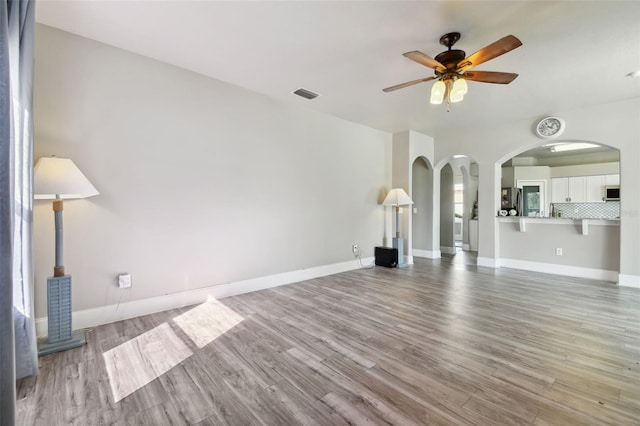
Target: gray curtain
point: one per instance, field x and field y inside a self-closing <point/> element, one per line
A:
<point x="18" y="350"/>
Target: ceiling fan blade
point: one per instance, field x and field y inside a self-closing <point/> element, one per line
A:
<point x="407" y="84"/>
<point x="425" y="60"/>
<point x="500" y="47"/>
<point x="490" y="76"/>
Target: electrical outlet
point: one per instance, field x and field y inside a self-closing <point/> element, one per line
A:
<point x="355" y="249"/>
<point x="558" y="252"/>
<point x="124" y="280"/>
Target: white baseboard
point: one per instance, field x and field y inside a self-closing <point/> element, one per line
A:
<point x="466" y="247"/>
<point x="118" y="312"/>
<point x="552" y="268"/>
<point x="427" y="254"/>
<point x="447" y="250"/>
<point x="625" y="280"/>
<point x="488" y="262"/>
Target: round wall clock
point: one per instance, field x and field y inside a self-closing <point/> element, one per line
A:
<point x="550" y="127"/>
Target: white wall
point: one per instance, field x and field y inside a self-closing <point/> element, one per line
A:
<point x="599" y="251"/>
<point x="530" y="173"/>
<point x="201" y="183"/>
<point x="612" y="168"/>
<point x="470" y="198"/>
<point x="447" y="242"/>
<point x="595" y="255"/>
<point x="507" y="180"/>
<point x="407" y="147"/>
<point x="423" y="201"/>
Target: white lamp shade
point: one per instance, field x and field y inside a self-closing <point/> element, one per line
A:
<point x="397" y="197"/>
<point x="54" y="176"/>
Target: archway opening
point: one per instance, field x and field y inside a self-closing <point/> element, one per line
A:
<point x="573" y="185"/>
<point x="569" y="179"/>
<point x="423" y="209"/>
<point x="458" y="209"/>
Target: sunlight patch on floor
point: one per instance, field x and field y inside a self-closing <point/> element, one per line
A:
<point x="139" y="361"/>
<point x="208" y="321"/>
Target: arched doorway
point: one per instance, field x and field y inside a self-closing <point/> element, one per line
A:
<point x="459" y="205"/>
<point x="564" y="184"/>
<point x="423" y="209"/>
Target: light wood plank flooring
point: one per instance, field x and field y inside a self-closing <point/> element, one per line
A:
<point x="439" y="342"/>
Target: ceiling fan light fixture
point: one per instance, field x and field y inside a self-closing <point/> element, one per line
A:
<point x="451" y="68"/>
<point x="437" y="92"/>
<point x="458" y="89"/>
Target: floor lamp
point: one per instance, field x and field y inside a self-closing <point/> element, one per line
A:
<point x="58" y="179"/>
<point x="398" y="197"/>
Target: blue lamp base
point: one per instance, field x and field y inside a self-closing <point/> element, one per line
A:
<point x="60" y="335"/>
<point x="77" y="339"/>
<point x="398" y="243"/>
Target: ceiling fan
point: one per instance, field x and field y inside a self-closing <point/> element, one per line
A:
<point x="451" y="68"/>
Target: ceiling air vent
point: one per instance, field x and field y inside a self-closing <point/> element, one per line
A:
<point x="307" y="94"/>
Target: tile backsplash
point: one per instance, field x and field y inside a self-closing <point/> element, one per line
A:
<point x="606" y="210"/>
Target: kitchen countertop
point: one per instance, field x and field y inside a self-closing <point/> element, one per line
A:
<point x="558" y="220"/>
<point x="524" y="221"/>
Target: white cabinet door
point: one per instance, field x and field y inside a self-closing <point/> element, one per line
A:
<point x="612" y="179"/>
<point x="595" y="189"/>
<point x="560" y="190"/>
<point x="578" y="189"/>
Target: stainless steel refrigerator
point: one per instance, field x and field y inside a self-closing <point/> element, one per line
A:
<point x="511" y="199"/>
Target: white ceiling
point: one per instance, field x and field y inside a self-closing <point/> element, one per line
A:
<point x="574" y="53"/>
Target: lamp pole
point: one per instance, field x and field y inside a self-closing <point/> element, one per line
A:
<point x="398" y="197"/>
<point x="58" y="269"/>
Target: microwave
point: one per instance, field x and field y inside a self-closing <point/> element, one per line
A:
<point x="612" y="193"/>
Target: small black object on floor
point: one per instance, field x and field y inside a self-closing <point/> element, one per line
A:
<point x="386" y="256"/>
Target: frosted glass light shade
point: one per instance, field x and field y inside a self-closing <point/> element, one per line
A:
<point x="397" y="197"/>
<point x="458" y="90"/>
<point x="461" y="86"/>
<point x="437" y="92"/>
<point x="60" y="176"/>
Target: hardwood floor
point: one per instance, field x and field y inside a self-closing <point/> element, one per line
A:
<point x="439" y="342"/>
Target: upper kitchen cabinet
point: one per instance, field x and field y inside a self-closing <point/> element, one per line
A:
<point x="610" y="180"/>
<point x="560" y="190"/>
<point x="569" y="189"/>
<point x="581" y="189"/>
<point x="595" y="188"/>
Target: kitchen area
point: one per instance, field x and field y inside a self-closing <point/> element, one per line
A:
<point x="561" y="213"/>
